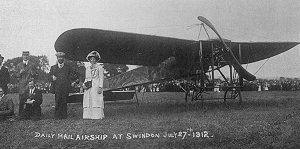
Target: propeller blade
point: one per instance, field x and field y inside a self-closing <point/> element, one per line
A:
<point x="237" y="66"/>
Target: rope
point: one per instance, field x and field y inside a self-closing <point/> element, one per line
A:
<point x="262" y="66"/>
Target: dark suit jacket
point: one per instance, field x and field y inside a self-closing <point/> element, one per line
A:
<point x="33" y="110"/>
<point x="37" y="96"/>
<point x="4" y="78"/>
<point x="30" y="72"/>
<point x="64" y="75"/>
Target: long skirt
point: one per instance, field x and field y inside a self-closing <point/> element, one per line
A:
<point x="93" y="113"/>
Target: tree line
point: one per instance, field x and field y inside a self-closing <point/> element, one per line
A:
<point x="43" y="67"/>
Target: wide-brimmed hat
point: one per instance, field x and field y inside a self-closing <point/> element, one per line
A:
<point x="1" y="56"/>
<point x="60" y="54"/>
<point x="25" y="53"/>
<point x="93" y="54"/>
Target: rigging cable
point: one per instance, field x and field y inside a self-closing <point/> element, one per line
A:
<point x="199" y="32"/>
<point x="262" y="66"/>
<point x="205" y="31"/>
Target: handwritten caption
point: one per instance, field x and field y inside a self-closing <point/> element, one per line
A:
<point x="189" y="133"/>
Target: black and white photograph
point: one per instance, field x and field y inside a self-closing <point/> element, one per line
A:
<point x="83" y="74"/>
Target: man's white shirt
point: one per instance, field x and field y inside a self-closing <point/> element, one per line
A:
<point x="25" y="62"/>
<point x="61" y="65"/>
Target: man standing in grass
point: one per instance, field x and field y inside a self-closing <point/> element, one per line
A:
<point x="25" y="70"/>
<point x="61" y="75"/>
<point x="6" y="106"/>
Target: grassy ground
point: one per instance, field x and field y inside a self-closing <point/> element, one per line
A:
<point x="266" y="120"/>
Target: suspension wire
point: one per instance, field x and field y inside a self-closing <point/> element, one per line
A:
<point x="199" y="32"/>
<point x="201" y="26"/>
<point x="262" y="66"/>
<point x="205" y="30"/>
<point x="192" y="26"/>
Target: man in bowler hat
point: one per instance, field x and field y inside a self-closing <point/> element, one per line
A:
<point x="61" y="76"/>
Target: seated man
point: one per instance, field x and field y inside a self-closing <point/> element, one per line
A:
<point x="6" y="106"/>
<point x="33" y="100"/>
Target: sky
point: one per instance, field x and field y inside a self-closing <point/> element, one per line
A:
<point x="34" y="25"/>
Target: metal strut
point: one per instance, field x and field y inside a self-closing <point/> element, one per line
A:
<point x="198" y="87"/>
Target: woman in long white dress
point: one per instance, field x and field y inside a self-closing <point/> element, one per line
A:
<point x="93" y="104"/>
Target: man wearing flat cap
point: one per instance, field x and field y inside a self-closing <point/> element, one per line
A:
<point x="61" y="76"/>
<point x="25" y="71"/>
<point x="4" y="76"/>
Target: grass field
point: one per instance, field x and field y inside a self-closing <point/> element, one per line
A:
<point x="265" y="120"/>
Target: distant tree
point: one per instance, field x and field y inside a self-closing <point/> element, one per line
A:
<point x="44" y="64"/>
<point x="41" y="63"/>
<point x="114" y="69"/>
<point x="79" y="67"/>
<point x="282" y="78"/>
<point x="110" y="69"/>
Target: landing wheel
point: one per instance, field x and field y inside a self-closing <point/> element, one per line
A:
<point x="233" y="93"/>
<point x="195" y="93"/>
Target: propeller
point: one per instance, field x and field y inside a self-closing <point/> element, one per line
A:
<point x="235" y="63"/>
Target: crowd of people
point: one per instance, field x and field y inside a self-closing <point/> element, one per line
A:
<point x="282" y="84"/>
<point x="61" y="76"/>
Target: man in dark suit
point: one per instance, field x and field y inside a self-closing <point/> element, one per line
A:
<point x="4" y="76"/>
<point x="25" y="70"/>
<point x="33" y="97"/>
<point x="61" y="76"/>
